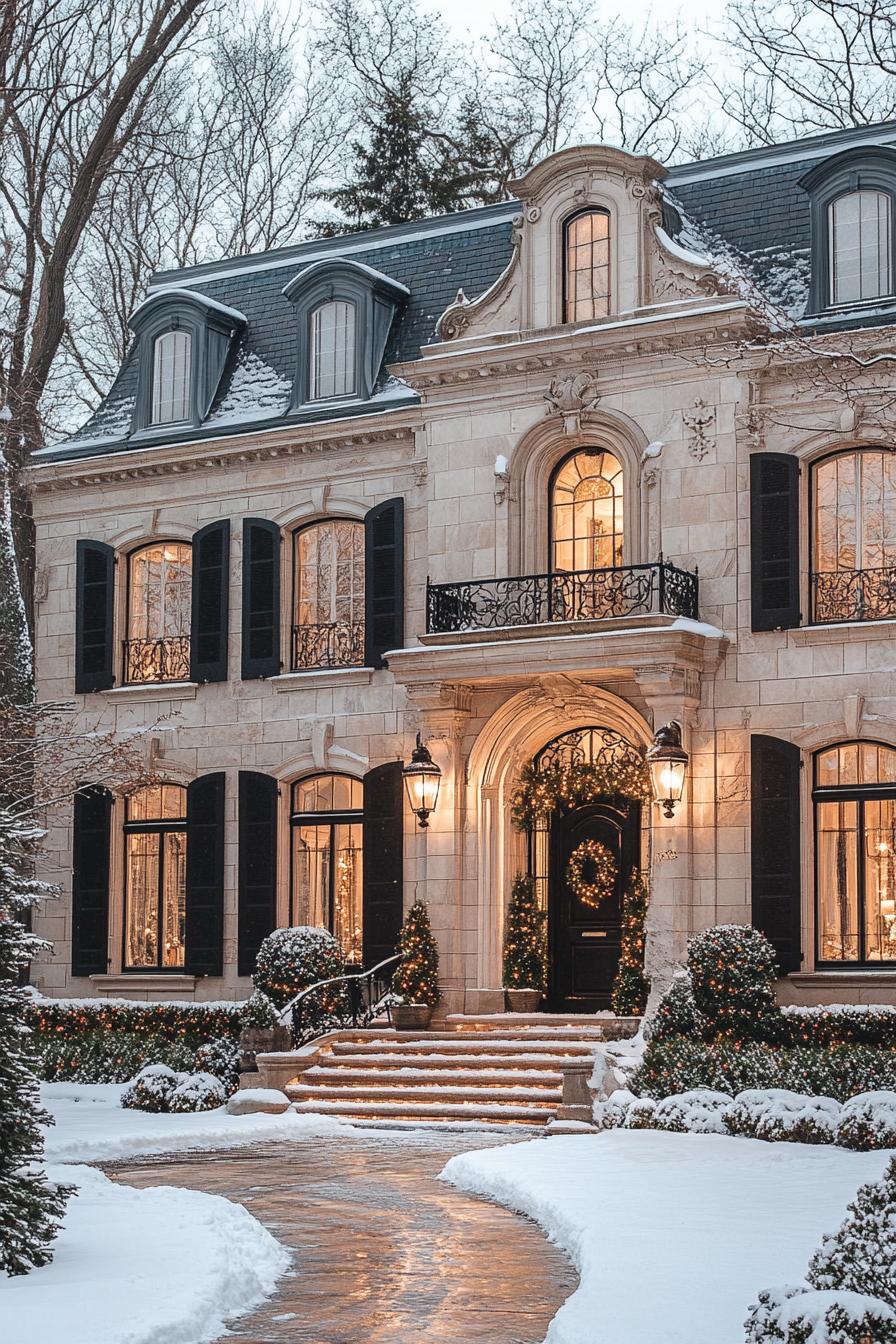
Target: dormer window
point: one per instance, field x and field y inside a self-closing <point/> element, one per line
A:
<point x="332" y="371"/>
<point x="852" y="208"/>
<point x="859" y="233"/>
<point x="171" y="377"/>
<point x="586" y="255"/>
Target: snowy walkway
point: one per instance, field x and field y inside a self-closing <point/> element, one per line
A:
<point x="385" y="1252"/>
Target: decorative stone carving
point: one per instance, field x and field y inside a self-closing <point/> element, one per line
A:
<point x="700" y="421"/>
<point x="571" y="397"/>
<point x="420" y="468"/>
<point x="751" y="424"/>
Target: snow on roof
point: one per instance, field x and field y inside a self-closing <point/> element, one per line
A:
<point x="178" y="291"/>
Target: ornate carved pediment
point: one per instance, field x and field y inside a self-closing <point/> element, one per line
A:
<point x="678" y="273"/>
<point x="498" y="309"/>
<point x="570" y="397"/>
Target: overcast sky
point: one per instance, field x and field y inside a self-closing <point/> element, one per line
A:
<point x="473" y="17"/>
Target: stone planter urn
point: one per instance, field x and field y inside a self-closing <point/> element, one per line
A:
<point x="523" y="1000"/>
<point x="411" y="1016"/>
<point x="259" y="1041"/>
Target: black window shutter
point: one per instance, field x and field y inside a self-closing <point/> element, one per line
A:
<point x="92" y="833"/>
<point x="257" y="902"/>
<point x="383" y="580"/>
<point x="210" y="604"/>
<point x="261" y="598"/>
<point x="775" y="846"/>
<point x="775" y="541"/>
<point x="205" y="876"/>
<point x="383" y="861"/>
<point x="94" y="596"/>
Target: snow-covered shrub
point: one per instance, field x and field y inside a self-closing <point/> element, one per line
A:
<point x="681" y="1065"/>
<point x="152" y="1088"/>
<point x="258" y="1012"/>
<point x="610" y="1114"/>
<point x="733" y="970"/>
<point x="639" y="1113"/>
<point x="701" y="1111"/>
<point x="197" y="1092"/>
<point x="868" y="1121"/>
<point x="839" y="1024"/>
<point x="108" y="1056"/>
<point x="861" y="1255"/>
<point x="778" y="1115"/>
<point x="220" y="1058"/>
<point x="291" y="959"/>
<point x="676" y="1014"/>
<point x="807" y="1316"/>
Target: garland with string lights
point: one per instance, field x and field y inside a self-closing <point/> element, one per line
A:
<point x="416" y="977"/>
<point x="525" y="943"/>
<point x="541" y="792"/>
<point x="631" y="986"/>
<point x="591" y="873"/>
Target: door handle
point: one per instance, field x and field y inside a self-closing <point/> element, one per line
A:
<point x="593" y="933"/>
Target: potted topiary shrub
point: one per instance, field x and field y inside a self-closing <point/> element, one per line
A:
<point x="416" y="978"/>
<point x="261" y="1031"/>
<point x="525" y="951"/>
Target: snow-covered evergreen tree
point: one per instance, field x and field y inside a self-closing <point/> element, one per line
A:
<point x="16" y="664"/>
<point x="861" y="1255"/>
<point x="30" y="1207"/>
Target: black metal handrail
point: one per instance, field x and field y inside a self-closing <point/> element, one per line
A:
<point x="853" y="595"/>
<point x="328" y="644"/>
<point x="570" y="595"/>
<point x="355" y="1004"/>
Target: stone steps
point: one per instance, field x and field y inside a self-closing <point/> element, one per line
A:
<point x="436" y="1110"/>
<point x="433" y="1075"/>
<point x="494" y="1095"/>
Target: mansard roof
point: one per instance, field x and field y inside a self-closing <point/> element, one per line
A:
<point x="750" y="205"/>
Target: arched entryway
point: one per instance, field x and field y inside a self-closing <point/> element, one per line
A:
<point x="582" y="849"/>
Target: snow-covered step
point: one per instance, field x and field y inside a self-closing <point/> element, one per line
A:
<point x="432" y="1075"/>
<point x="525" y="1063"/>
<point x="497" y="1096"/>
<point x="382" y="1110"/>
<point x="463" y="1045"/>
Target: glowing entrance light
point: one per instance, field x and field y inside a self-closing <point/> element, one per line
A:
<point x="422" y="778"/>
<point x="668" y="762"/>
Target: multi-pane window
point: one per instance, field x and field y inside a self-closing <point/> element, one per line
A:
<point x="587" y="512"/>
<point x="327" y="858"/>
<point x="586" y="246"/>
<point x="160" y="578"/>
<point x="854" y="536"/>
<point x="329" y="595"/>
<point x="155" y="838"/>
<point x="860" y="246"/>
<point x="171" y="377"/>
<point x="332" y="371"/>
<point x="855" y="853"/>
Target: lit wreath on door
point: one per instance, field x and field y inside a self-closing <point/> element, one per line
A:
<point x="591" y="873"/>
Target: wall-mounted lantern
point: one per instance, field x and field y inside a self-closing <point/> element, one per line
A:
<point x="422" y="778"/>
<point x="668" y="762"/>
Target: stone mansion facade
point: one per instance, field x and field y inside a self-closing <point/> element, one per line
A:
<point x="534" y="481"/>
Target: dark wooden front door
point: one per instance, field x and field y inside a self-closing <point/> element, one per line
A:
<point x="584" y="942"/>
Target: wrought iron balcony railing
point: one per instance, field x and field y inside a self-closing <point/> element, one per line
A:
<point x="335" y="644"/>
<point x="149" y="660"/>
<point x="854" y="595"/>
<point x="577" y="595"/>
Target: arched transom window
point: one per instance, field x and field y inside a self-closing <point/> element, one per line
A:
<point x="155" y="837"/>
<point x="171" y="377"/>
<point x="587" y="512"/>
<point x="855" y="853"/>
<point x="329" y="595"/>
<point x="327" y="858"/>
<point x="854" y="536"/>
<point x="332" y="371"/>
<point x="860" y="242"/>
<point x="586" y="260"/>
<point x="160" y="580"/>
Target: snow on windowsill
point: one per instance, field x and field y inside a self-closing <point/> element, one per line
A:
<point x="154" y="690"/>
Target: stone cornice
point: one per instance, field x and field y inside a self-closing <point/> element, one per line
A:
<point x="187" y="458"/>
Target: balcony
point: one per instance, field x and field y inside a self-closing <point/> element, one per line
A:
<point x="853" y="595"/>
<point x="153" y="660"/>
<point x="334" y="644"/>
<point x="658" y="589"/>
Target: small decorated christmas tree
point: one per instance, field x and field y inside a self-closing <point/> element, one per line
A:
<point x="525" y="953"/>
<point x="416" y="978"/>
<point x="631" y="986"/>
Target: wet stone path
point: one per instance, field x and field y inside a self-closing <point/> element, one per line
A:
<point x="384" y="1252"/>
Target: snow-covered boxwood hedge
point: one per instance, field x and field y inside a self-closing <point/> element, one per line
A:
<point x="291" y="959"/>
<point x="160" y="1089"/>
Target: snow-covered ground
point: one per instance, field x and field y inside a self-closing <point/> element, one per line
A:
<point x="673" y="1234"/>
<point x="92" y="1126"/>
<point x="156" y="1266"/>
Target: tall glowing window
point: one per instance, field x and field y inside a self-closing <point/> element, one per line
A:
<point x="587" y="512"/>
<point x="586" y="247"/>
<point x="171" y="377"/>
<point x="854" y="536"/>
<point x="328" y="629"/>
<point x="160" y="579"/>
<point x="155" y="837"/>
<point x="328" y="858"/>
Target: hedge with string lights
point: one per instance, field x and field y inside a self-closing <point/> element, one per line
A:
<point x="631" y="986"/>
<point x="541" y="792"/>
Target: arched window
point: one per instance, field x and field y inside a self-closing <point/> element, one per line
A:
<point x="855" y="853"/>
<point x="332" y="370"/>
<point x="860" y="245"/>
<point x="155" y="837"/>
<point x="586" y="512"/>
<point x="854" y="536"/>
<point x="171" y="377"/>
<point x="329" y="595"/>
<point x="160" y="579"/>
<point x="586" y="261"/>
<point x="327" y="857"/>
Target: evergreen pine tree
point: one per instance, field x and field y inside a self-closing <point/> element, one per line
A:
<point x="860" y="1257"/>
<point x="631" y="986"/>
<point x="525" y="952"/>
<point x="30" y="1207"/>
<point x="416" y="978"/>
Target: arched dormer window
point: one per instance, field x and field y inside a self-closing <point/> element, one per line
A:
<point x="586" y="266"/>
<point x="853" y="205"/>
<point x="332" y="372"/>
<point x="171" y="377"/>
